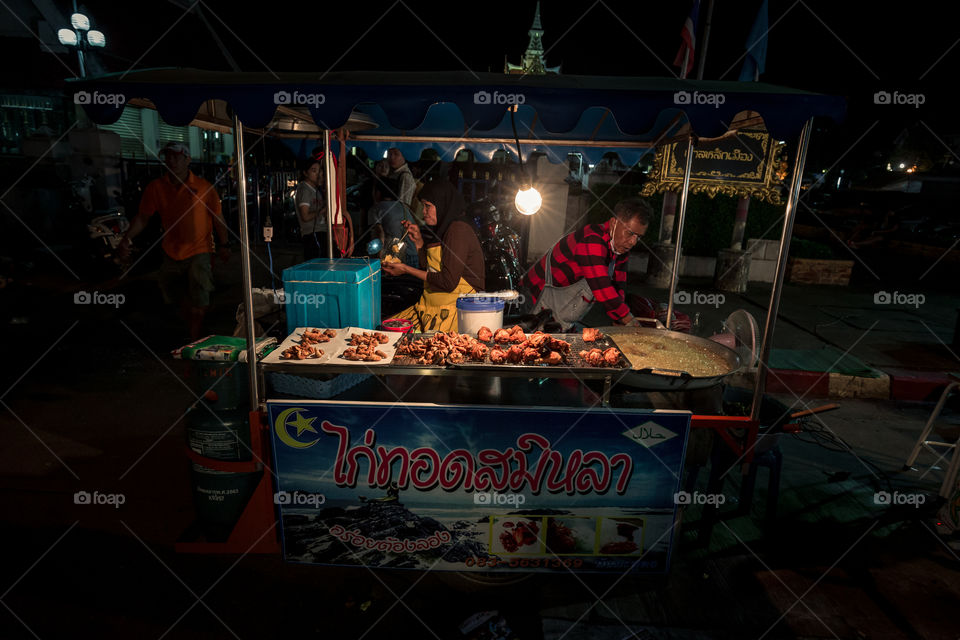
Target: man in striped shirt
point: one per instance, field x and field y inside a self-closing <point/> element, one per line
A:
<point x="596" y="255"/>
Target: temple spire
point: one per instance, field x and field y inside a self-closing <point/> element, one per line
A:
<point x="533" y="58"/>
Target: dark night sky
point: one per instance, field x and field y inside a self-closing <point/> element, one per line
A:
<point x="851" y="49"/>
<point x="819" y="45"/>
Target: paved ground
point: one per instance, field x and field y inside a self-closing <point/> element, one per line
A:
<point x="91" y="402"/>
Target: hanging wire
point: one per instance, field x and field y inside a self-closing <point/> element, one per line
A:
<point x="273" y="279"/>
<point x="513" y="123"/>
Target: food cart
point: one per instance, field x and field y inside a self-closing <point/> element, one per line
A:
<point x="604" y="500"/>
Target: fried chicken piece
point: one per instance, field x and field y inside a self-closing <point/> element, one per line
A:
<point x="382" y="338"/>
<point x="501" y="335"/>
<point x="593" y="358"/>
<point x="477" y="352"/>
<point x="537" y="339"/>
<point x="553" y="358"/>
<point x="560" y="539"/>
<point x="517" y="337"/>
<point x="301" y="352"/>
<point x="611" y="356"/>
<point x="484" y="335"/>
<point x="515" y="354"/>
<point x="497" y="356"/>
<point x="530" y="355"/>
<point x="560" y="346"/>
<point x="591" y="335"/>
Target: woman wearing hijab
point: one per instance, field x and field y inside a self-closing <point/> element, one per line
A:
<point x="449" y="248"/>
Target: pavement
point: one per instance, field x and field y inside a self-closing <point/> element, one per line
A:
<point x="91" y="402"/>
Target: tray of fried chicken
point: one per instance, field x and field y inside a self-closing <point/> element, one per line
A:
<point x="364" y="347"/>
<point x="439" y="349"/>
<point x="510" y="348"/>
<point x="306" y="345"/>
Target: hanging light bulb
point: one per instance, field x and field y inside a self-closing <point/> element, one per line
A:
<point x="528" y="200"/>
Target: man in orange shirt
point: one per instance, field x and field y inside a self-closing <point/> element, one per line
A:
<point x="189" y="209"/>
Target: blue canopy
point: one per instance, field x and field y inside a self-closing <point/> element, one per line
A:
<point x="452" y="110"/>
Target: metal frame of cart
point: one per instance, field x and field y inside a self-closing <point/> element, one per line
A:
<point x="559" y="112"/>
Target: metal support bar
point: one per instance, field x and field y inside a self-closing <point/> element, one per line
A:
<point x="774" y="307"/>
<point x="245" y="262"/>
<point x="331" y="189"/>
<point x="681" y="216"/>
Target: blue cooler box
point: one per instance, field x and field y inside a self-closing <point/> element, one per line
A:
<point x="333" y="293"/>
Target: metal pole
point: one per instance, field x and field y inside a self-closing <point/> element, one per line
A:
<point x="83" y="68"/>
<point x="774" y="307"/>
<point x="331" y="189"/>
<point x="245" y="262"/>
<point x="706" y="41"/>
<point x="681" y="215"/>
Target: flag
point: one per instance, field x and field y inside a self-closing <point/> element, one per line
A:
<point x="689" y="37"/>
<point x="756" y="61"/>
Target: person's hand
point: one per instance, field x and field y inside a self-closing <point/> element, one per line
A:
<point x="413" y="233"/>
<point x="224" y="252"/>
<point x="394" y="268"/>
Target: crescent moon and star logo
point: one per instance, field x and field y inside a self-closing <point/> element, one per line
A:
<point x="302" y="423"/>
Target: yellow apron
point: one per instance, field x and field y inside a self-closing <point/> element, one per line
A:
<point x="436" y="310"/>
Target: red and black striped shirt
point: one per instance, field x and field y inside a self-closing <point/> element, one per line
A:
<point x="586" y="253"/>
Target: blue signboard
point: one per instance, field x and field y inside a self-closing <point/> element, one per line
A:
<point x="477" y="488"/>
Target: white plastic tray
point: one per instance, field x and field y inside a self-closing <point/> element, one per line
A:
<point x="342" y="342"/>
<point x="275" y="356"/>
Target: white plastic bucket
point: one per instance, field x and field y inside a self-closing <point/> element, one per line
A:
<point x="473" y="313"/>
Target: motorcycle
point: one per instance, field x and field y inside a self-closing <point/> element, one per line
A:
<point x="500" y="245"/>
<point x="105" y="229"/>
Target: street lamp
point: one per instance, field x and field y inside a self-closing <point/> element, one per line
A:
<point x="81" y="37"/>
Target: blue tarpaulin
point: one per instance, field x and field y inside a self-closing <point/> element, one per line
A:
<point x="471" y="108"/>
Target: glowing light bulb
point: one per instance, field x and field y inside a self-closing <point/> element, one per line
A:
<point x="528" y="201"/>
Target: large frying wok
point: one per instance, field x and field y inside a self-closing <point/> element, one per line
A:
<point x="673" y="379"/>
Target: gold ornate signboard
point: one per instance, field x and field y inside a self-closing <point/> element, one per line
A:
<point x="747" y="163"/>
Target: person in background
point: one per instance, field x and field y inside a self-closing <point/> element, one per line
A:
<point x="589" y="266"/>
<point x="311" y="203"/>
<point x="390" y="214"/>
<point x="451" y="253"/>
<point x="189" y="209"/>
<point x="400" y="170"/>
